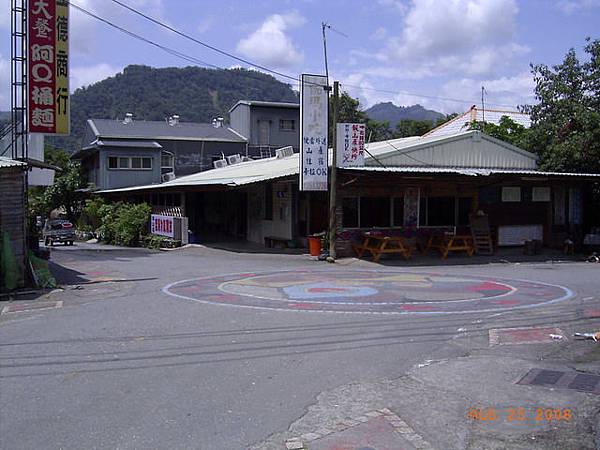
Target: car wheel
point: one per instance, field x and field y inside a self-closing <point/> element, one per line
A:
<point x="70" y="242"/>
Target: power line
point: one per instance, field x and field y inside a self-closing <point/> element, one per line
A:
<point x="245" y="61"/>
<point x="193" y="39"/>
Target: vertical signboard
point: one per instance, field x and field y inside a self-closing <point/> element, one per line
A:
<point x="350" y="144"/>
<point x="313" y="135"/>
<point x="48" y="66"/>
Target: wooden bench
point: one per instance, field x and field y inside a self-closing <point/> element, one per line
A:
<point x="377" y="245"/>
<point x="273" y="241"/>
<point x="448" y="243"/>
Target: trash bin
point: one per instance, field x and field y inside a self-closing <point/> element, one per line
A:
<point x="314" y="245"/>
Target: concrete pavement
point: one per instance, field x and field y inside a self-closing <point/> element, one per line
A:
<point x="122" y="365"/>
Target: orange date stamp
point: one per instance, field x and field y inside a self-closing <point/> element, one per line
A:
<point x="520" y="414"/>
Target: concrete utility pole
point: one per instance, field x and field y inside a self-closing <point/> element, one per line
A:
<point x="333" y="174"/>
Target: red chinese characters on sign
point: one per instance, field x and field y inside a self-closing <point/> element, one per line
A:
<point x="350" y="144"/>
<point x="162" y="225"/>
<point x="41" y="65"/>
<point x="47" y="65"/>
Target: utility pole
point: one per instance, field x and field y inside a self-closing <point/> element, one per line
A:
<point x="333" y="174"/>
<point x="323" y="26"/>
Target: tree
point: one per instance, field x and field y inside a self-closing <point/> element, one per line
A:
<point x="565" y="129"/>
<point x="406" y="128"/>
<point x="56" y="156"/>
<point x="62" y="192"/>
<point x="507" y="130"/>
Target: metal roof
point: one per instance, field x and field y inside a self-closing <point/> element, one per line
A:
<point x="142" y="129"/>
<point x="461" y="122"/>
<point x="470" y="172"/>
<point x="8" y="162"/>
<point x="265" y="104"/>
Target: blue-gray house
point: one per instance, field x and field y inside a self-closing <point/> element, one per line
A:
<point x="128" y="152"/>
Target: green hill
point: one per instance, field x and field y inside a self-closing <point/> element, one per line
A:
<point x="196" y="94"/>
<point x="388" y="112"/>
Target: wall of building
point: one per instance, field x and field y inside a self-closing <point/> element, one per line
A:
<point x="12" y="214"/>
<point x="280" y="225"/>
<point x="196" y="156"/>
<point x="117" y="178"/>
<point x="239" y="120"/>
<point x="277" y="137"/>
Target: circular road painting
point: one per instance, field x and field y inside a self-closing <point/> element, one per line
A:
<point x="368" y="292"/>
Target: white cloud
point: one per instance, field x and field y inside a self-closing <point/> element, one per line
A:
<point x="86" y="75"/>
<point x="270" y="45"/>
<point x="206" y="23"/>
<point x="448" y="36"/>
<point x="379" y="34"/>
<point x="398" y="5"/>
<point x="575" y="6"/>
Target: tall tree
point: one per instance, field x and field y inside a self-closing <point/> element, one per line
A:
<point x="565" y="128"/>
<point x="506" y="130"/>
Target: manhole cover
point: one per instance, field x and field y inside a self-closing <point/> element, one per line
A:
<point x="582" y="382"/>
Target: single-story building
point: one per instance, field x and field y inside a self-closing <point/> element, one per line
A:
<point x="12" y="216"/>
<point x="410" y="186"/>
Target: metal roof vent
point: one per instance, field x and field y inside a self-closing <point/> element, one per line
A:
<point x="128" y="118"/>
<point x="173" y="120"/>
<point x="217" y="122"/>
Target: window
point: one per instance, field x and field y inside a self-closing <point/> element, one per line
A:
<point x="350" y="212"/>
<point x="268" y="202"/>
<point x="511" y="194"/>
<point x="130" y="162"/>
<point x="366" y="212"/>
<point x="166" y="163"/>
<point x="374" y="212"/>
<point x="440" y="211"/>
<point x="287" y="125"/>
<point x="398" y="208"/>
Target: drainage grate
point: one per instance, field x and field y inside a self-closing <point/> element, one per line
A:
<point x="585" y="382"/>
<point x="582" y="382"/>
<point x="550" y="377"/>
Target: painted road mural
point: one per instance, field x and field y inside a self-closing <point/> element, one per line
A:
<point x="368" y="292"/>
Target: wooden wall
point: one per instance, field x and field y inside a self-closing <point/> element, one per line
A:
<point x="12" y="213"/>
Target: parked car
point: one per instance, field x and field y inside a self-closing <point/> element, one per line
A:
<point x="58" y="230"/>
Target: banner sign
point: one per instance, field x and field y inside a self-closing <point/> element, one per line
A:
<point x="162" y="225"/>
<point x="48" y="67"/>
<point x="313" y="136"/>
<point x="350" y="144"/>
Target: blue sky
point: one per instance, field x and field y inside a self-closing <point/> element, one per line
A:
<point x="444" y="50"/>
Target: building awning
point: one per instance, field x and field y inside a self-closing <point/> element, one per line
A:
<point x="9" y="162"/>
<point x="470" y="171"/>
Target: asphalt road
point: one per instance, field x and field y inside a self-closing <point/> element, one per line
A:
<point x="123" y="365"/>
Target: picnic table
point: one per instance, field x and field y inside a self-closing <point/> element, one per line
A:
<point x="451" y="242"/>
<point x="378" y="244"/>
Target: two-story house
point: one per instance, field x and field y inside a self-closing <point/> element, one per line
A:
<point x="266" y="125"/>
<point x="128" y="152"/>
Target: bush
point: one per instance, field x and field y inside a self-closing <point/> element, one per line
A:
<point x="131" y="223"/>
<point x="90" y="219"/>
<point x="107" y="215"/>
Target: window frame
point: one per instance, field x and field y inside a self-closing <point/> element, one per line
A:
<point x="283" y="128"/>
<point x="129" y="160"/>
<point x="358" y="212"/>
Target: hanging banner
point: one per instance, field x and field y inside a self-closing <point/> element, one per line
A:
<point x="48" y="67"/>
<point x="313" y="134"/>
<point x="351" y="144"/>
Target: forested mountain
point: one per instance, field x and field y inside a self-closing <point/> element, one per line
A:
<point x="196" y="94"/>
<point x="388" y="112"/>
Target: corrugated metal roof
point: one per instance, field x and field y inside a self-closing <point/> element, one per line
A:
<point x="266" y="104"/>
<point x="461" y="123"/>
<point x="8" y="162"/>
<point x="142" y="129"/>
<point x="470" y="172"/>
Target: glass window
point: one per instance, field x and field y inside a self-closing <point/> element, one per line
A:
<point x="136" y="163"/>
<point x="374" y="212"/>
<point x="268" y="202"/>
<point x="440" y="211"/>
<point x="350" y="212"/>
<point x="146" y="163"/>
<point x="123" y="163"/>
<point x="287" y="125"/>
<point x="464" y="210"/>
<point x="398" y="211"/>
<point x="166" y="161"/>
<point x="112" y="162"/>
